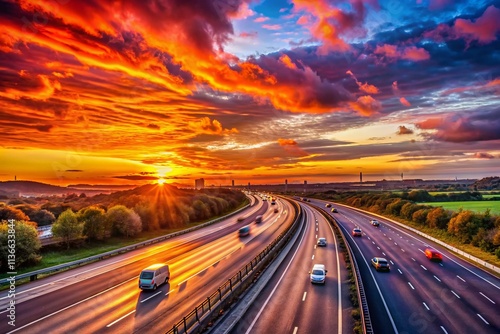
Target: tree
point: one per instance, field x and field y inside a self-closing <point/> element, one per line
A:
<point x="95" y="226"/>
<point x="124" y="221"/>
<point x="9" y="212"/>
<point x="420" y="216"/>
<point x="463" y="225"/>
<point x="67" y="227"/>
<point x="42" y="217"/>
<point x="438" y="218"/>
<point x="27" y="244"/>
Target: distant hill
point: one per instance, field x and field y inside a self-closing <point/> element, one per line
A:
<point x="487" y="183"/>
<point x="32" y="188"/>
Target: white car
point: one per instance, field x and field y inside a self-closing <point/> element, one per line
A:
<point x="318" y="274"/>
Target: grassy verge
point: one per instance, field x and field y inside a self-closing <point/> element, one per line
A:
<point x="52" y="257"/>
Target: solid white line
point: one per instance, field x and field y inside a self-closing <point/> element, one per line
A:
<point x="423" y="267"/>
<point x="482" y="294"/>
<point x="169" y="292"/>
<point x="295" y="330"/>
<point x="304" y="297"/>
<point x="427" y="307"/>
<point x="421" y="250"/>
<point x="411" y="286"/>
<point x="376" y="285"/>
<point x="156" y="294"/>
<point x="444" y="330"/>
<point x="339" y="286"/>
<point x="70" y="306"/>
<point x="275" y="287"/>
<point x="453" y="292"/>
<point x="4" y="311"/>
<point x="114" y="322"/>
<point x="437" y="278"/>
<point x="400" y="272"/>
<point x="486" y="322"/>
<point x="461" y="278"/>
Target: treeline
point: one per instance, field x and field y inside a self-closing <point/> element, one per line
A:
<point x="424" y="196"/>
<point x="479" y="229"/>
<point x="78" y="218"/>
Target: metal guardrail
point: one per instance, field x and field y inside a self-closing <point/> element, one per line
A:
<point x="442" y="243"/>
<point x="34" y="274"/>
<point x="365" y="313"/>
<point x="198" y="319"/>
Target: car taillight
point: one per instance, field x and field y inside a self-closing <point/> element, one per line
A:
<point x="152" y="281"/>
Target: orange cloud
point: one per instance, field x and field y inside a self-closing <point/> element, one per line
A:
<point x="483" y="155"/>
<point x="484" y="29"/>
<point x="366" y="105"/>
<point x="44" y="90"/>
<point x="430" y="124"/>
<point x="404" y="102"/>
<point x="364" y="87"/>
<point x="332" y="24"/>
<point x="288" y="62"/>
<point x="292" y="147"/>
<point x="285" y="142"/>
<point x="409" y="53"/>
<point x="206" y="126"/>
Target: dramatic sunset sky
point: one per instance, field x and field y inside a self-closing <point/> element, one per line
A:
<point x="110" y="92"/>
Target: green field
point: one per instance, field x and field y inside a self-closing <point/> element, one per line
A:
<point x="477" y="206"/>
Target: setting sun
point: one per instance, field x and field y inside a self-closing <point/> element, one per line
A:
<point x="161" y="181"/>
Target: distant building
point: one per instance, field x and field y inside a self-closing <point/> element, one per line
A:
<point x="199" y="183"/>
<point x="232" y="183"/>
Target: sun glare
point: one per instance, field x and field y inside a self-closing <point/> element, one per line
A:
<point x="161" y="181"/>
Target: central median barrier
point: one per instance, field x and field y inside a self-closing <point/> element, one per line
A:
<point x="199" y="319"/>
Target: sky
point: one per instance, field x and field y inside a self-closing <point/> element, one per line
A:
<point x="126" y="92"/>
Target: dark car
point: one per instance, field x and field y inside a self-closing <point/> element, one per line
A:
<point x="244" y="231"/>
<point x="380" y="264"/>
<point x="328" y="205"/>
<point x="334" y="210"/>
<point x="374" y="222"/>
<point x="433" y="255"/>
<point x="356" y="232"/>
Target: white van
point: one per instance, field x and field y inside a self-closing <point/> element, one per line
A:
<point x="154" y="276"/>
<point x="318" y="274"/>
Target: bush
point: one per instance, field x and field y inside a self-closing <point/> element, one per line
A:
<point x="27" y="244"/>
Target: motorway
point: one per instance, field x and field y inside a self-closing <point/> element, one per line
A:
<point x="417" y="295"/>
<point x="290" y="303"/>
<point x="103" y="297"/>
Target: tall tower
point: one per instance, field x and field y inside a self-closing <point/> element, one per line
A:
<point x="232" y="183"/>
<point x="360" y="177"/>
<point x="286" y="185"/>
<point x="305" y="185"/>
<point x="248" y="185"/>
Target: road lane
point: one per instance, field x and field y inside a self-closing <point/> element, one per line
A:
<point x="198" y="267"/>
<point x="422" y="295"/>
<point x="290" y="303"/>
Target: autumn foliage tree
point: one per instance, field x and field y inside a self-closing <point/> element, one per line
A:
<point x="67" y="227"/>
<point x="27" y="244"/>
<point x="125" y="221"/>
